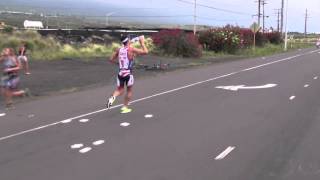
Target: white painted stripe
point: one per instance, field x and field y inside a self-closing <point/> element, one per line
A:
<point x="225" y="153"/>
<point x="97" y="143"/>
<point x="66" y="121"/>
<point x="148" y="97"/>
<point x="125" y="124"/>
<point x="315" y="78"/>
<point x="292" y="98"/>
<point x="85" y="150"/>
<point x="84" y="120"/>
<point x="76" y="146"/>
<point x="148" y="116"/>
<point x="2" y="114"/>
<point x="307" y="85"/>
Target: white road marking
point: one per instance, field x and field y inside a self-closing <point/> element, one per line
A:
<point x="76" y="146"/>
<point x="225" y="153"/>
<point x="2" y="114"/>
<point x="292" y="98"/>
<point x="84" y="120"/>
<point x="152" y="96"/>
<point x="97" y="143"/>
<point x="315" y="78"/>
<point x="66" y="121"/>
<point x="85" y="150"/>
<point x="125" y="124"/>
<point x="307" y="85"/>
<point x="237" y="87"/>
<point x="148" y="116"/>
<point x="31" y="116"/>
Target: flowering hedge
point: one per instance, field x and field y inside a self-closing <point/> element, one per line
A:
<point x="226" y="39"/>
<point x="231" y="38"/>
<point x="178" y="43"/>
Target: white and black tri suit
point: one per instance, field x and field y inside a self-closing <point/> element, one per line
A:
<point x="125" y="76"/>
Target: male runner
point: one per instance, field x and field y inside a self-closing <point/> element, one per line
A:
<point x="125" y="56"/>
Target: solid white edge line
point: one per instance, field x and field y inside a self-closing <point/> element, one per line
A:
<point x="225" y="153"/>
<point x="155" y="95"/>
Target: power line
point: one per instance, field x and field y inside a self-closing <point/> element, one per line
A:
<point x="217" y="9"/>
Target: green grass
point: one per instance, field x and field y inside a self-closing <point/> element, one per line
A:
<point x="270" y="49"/>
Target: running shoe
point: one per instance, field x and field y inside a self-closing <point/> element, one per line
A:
<point x="110" y="101"/>
<point x="125" y="110"/>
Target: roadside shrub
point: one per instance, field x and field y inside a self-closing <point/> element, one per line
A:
<point x="226" y="39"/>
<point x="274" y="37"/>
<point x="8" y="29"/>
<point x="246" y="38"/>
<point x="177" y="43"/>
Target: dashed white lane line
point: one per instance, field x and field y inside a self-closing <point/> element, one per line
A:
<point x="315" y="78"/>
<point x="76" y="146"/>
<point x="66" y="121"/>
<point x="148" y="116"/>
<point x="2" y="114"/>
<point x="225" y="153"/>
<point x="31" y="116"/>
<point x="85" y="150"/>
<point x="155" y="95"/>
<point x="84" y="120"/>
<point x="99" y="142"/>
<point x="125" y="124"/>
<point x="292" y="98"/>
<point x="307" y="85"/>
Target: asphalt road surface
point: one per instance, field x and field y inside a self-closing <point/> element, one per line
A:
<point x="255" y="119"/>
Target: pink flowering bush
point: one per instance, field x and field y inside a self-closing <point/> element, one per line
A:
<point x="177" y="43"/>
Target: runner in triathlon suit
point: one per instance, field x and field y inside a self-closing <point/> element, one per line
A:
<point x="22" y="57"/>
<point x="125" y="56"/>
<point x="10" y="79"/>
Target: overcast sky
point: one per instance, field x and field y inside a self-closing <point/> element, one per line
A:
<point x="239" y="11"/>
<point x="246" y="8"/>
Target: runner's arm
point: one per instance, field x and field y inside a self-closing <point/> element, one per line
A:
<point x="142" y="51"/>
<point x="114" y="56"/>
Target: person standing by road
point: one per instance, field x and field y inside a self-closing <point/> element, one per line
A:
<point x="125" y="56"/>
<point x="10" y="78"/>
<point x="22" y="57"/>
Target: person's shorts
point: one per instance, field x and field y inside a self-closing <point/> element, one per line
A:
<point x="10" y="82"/>
<point x="125" y="81"/>
<point x="22" y="59"/>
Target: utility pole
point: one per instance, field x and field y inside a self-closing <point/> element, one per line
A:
<point x="282" y="15"/>
<point x="195" y="18"/>
<point x="263" y="15"/>
<point x="259" y="12"/>
<point x="286" y="28"/>
<point x="278" y="19"/>
<point x="306" y="23"/>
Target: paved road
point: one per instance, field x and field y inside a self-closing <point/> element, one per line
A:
<point x="194" y="131"/>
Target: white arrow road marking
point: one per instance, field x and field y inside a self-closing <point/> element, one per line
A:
<point x="237" y="87"/>
<point x="225" y="153"/>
